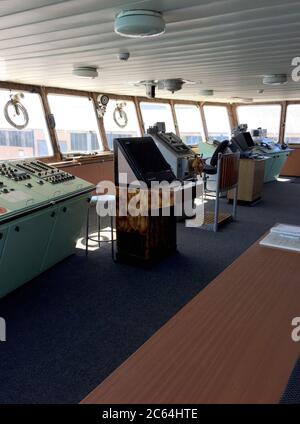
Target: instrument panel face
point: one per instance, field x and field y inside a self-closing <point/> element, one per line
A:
<point x="28" y="183"/>
<point x="175" y="143"/>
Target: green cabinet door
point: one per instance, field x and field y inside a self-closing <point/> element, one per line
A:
<point x="24" y="248"/>
<point x="3" y="235"/>
<point x="70" y="218"/>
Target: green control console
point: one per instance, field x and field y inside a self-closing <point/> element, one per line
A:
<point x="42" y="210"/>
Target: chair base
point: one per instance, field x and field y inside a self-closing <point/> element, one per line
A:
<point x="209" y="218"/>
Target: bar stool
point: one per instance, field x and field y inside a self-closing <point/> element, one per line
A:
<point x="107" y="201"/>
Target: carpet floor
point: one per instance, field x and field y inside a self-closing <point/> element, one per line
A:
<point x="68" y="329"/>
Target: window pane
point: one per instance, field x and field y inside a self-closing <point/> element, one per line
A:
<point x="292" y="125"/>
<point x="113" y="130"/>
<point x="25" y="143"/>
<point x="157" y="112"/>
<point x="76" y="124"/>
<point x="217" y="122"/>
<point x="189" y="124"/>
<point x="264" y="116"/>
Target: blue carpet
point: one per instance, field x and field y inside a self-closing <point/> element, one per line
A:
<point x="292" y="392"/>
<point x="72" y="326"/>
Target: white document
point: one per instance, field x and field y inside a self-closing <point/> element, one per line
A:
<point x="283" y="236"/>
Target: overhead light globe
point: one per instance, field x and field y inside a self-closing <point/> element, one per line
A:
<point x="139" y="23"/>
<point x="172" y="84"/>
<point x="275" y="79"/>
<point x="85" y="71"/>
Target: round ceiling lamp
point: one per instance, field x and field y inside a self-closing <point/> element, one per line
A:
<point x="85" y="71"/>
<point x="139" y="23"/>
<point x="275" y="79"/>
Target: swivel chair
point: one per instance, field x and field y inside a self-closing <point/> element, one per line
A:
<point x="212" y="168"/>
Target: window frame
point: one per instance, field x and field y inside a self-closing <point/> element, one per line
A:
<point x="205" y="126"/>
<point x="155" y="101"/>
<point x="265" y="104"/>
<point x="127" y="99"/>
<point x="35" y="89"/>
<point x="202" y="124"/>
<point x="92" y="96"/>
<point x="290" y="103"/>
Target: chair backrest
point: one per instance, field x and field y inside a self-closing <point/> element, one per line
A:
<point x="228" y="170"/>
<point x="220" y="149"/>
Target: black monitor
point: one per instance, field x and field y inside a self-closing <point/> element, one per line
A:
<point x="243" y="141"/>
<point x="249" y="139"/>
<point x="145" y="159"/>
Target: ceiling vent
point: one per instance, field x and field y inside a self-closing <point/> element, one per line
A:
<point x="207" y="93"/>
<point x="242" y="99"/>
<point x="139" y="23"/>
<point x="276" y="79"/>
<point x="85" y="71"/>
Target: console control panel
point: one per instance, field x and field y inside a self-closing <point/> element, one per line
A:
<point x="28" y="183"/>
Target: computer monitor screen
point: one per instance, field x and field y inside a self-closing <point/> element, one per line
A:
<point x="249" y="139"/>
<point x="240" y="142"/>
<point x="147" y="156"/>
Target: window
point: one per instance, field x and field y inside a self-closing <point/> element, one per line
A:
<point x="76" y="124"/>
<point x="262" y="116"/>
<point x="217" y="122"/>
<point x="24" y="143"/>
<point x="292" y="124"/>
<point x="157" y="112"/>
<point x="113" y="130"/>
<point x="189" y="124"/>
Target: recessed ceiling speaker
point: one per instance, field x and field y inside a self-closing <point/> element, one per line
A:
<point x="139" y="23"/>
<point x="207" y="93"/>
<point x="123" y="56"/>
<point x="85" y="71"/>
<point x="276" y="79"/>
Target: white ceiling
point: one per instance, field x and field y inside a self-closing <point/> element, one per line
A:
<point x="226" y="45"/>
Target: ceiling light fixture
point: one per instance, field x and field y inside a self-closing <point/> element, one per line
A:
<point x="85" y="71"/>
<point x="275" y="79"/>
<point x="173" y="84"/>
<point x="139" y="23"/>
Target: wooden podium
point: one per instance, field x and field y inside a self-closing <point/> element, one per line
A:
<point x="149" y="236"/>
<point x="251" y="180"/>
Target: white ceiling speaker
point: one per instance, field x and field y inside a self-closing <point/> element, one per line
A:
<point x="123" y="56"/>
<point x="276" y="79"/>
<point x="85" y="71"/>
<point x="139" y="23"/>
<point x="207" y="93"/>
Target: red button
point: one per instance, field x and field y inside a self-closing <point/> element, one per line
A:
<point x="2" y="211"/>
